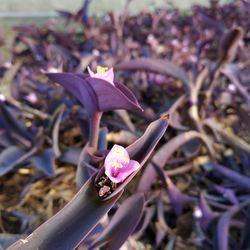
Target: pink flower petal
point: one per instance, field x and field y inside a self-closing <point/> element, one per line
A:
<point x="118" y="175"/>
<point x="107" y="76"/>
<point x="117" y="164"/>
<point x="130" y="168"/>
<point x="91" y="73"/>
<point x="112" y="173"/>
<point x="110" y="75"/>
<point x="118" y="153"/>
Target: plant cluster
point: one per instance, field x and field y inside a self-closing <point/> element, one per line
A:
<point x="85" y="112"/>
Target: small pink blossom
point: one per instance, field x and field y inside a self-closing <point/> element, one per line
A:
<point x="103" y="73"/>
<point x="31" y="97"/>
<point x="118" y="165"/>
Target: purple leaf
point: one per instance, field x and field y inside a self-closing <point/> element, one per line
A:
<point x="44" y="162"/>
<point x="9" y="159"/>
<point x="177" y="198"/>
<point x="233" y="74"/>
<point x="161" y="174"/>
<point x="5" y="140"/>
<point x="14" y="156"/>
<point x="207" y="22"/>
<point x="71" y="155"/>
<point x="55" y="130"/>
<point x="245" y="242"/>
<point x="82" y="174"/>
<point x="78" y="87"/>
<point x="175" y="118"/>
<point x="224" y="224"/>
<point x="192" y="147"/>
<point x="122" y="224"/>
<point x="87" y="171"/>
<point x="159" y="66"/>
<point x="8" y="239"/>
<point x="207" y="213"/>
<point x="229" y="43"/>
<point x="160" y="213"/>
<point x="72" y="224"/>
<point x="241" y="180"/>
<point x="65" y="14"/>
<point x="84" y="11"/>
<point x="111" y="97"/>
<point x="161" y="157"/>
<point x="227" y="193"/>
<point x="96" y="94"/>
<point x="14" y="127"/>
<point x="142" y="148"/>
<point x="148" y="216"/>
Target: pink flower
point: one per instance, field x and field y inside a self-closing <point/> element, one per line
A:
<point x="118" y="165"/>
<point x="31" y="97"/>
<point x="103" y="73"/>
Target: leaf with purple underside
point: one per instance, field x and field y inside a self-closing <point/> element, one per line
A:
<point x="147" y="218"/>
<point x="224" y="225"/>
<point x="207" y="213"/>
<point x="14" y="126"/>
<point x="71" y="155"/>
<point x="78" y="87"/>
<point x="55" y="126"/>
<point x="228" y="44"/>
<point x="72" y="224"/>
<point x="241" y="180"/>
<point x="44" y="161"/>
<point x="95" y="94"/>
<point x="122" y="224"/>
<point x="177" y="198"/>
<point x="159" y="66"/>
<point x="10" y="158"/>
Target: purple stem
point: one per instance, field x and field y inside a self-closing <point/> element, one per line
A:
<point x="94" y="125"/>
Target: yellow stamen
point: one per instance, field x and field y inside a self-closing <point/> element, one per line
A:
<point x="126" y="159"/>
<point x="101" y="70"/>
<point x="116" y="164"/>
<point x="118" y="152"/>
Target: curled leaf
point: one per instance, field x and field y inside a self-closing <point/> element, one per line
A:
<point x="161" y="157"/>
<point x="241" y="180"/>
<point x="228" y="44"/>
<point x="224" y="224"/>
<point x="122" y="224"/>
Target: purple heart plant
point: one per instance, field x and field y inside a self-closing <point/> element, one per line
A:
<point x="70" y="226"/>
<point x="97" y="92"/>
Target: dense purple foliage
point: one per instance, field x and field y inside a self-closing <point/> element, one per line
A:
<point x="190" y="191"/>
